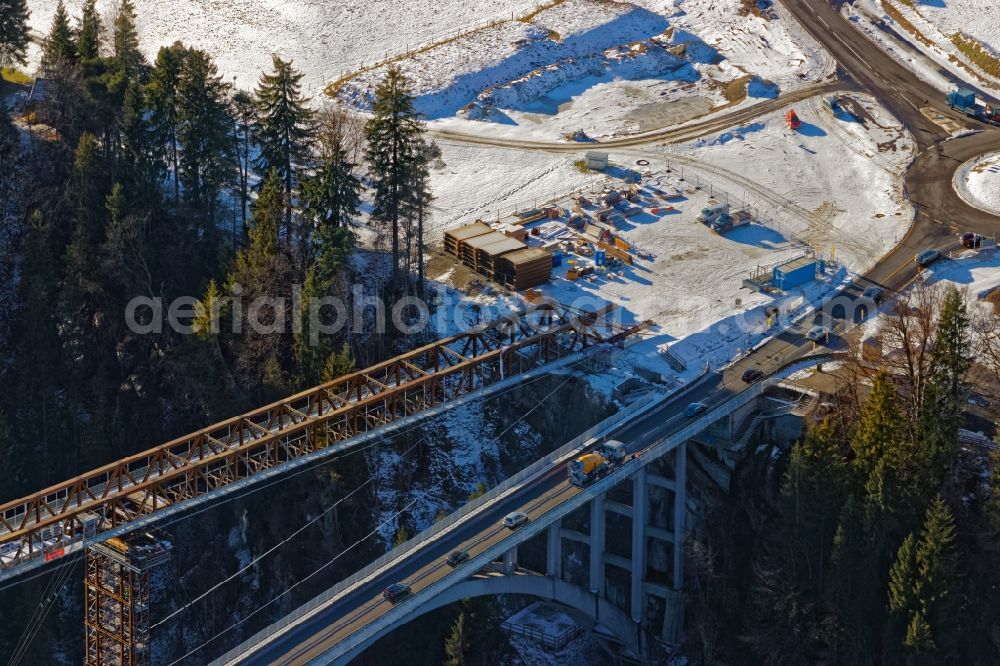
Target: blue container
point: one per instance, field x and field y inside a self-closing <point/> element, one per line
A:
<point x="795" y="273"/>
<point x="600" y="258"/>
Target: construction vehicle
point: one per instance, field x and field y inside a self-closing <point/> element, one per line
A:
<point x="588" y="468"/>
<point x="792" y="120"/>
<point x="964" y="101"/>
<point x="712" y="212"/>
<point x="726" y="222"/>
<point x="613" y="451"/>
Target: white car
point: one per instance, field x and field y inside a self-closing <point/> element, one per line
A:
<point x="515" y="519"/>
<point x="818" y="333"/>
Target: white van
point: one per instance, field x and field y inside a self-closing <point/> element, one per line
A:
<point x="712" y="212"/>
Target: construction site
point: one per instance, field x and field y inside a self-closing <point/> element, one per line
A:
<point x="666" y="246"/>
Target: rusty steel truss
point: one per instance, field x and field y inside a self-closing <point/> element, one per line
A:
<point x="49" y="523"/>
<point x="116" y="598"/>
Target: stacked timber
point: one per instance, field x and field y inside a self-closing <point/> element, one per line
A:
<point x="524" y="269"/>
<point x="454" y="238"/>
<point x="478" y="253"/>
<point x="488" y="256"/>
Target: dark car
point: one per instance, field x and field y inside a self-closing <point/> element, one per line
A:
<point x="457" y="557"/>
<point x="395" y="592"/>
<point x="751" y="375"/>
<point x="874" y="294"/>
<point x="972" y="241"/>
<point x="694" y="409"/>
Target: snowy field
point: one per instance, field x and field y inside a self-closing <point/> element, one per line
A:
<point x="976" y="272"/>
<point x="978" y="182"/>
<point x="325" y="38"/>
<point x="606" y="68"/>
<point x="835" y="183"/>
<point x="940" y="62"/>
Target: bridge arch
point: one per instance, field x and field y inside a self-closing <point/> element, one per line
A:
<point x="598" y="609"/>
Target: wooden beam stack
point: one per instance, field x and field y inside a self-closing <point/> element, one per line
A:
<point x="454" y="238"/>
<point x="525" y="268"/>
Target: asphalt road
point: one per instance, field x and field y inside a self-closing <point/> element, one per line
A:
<point x="668" y="134"/>
<point x="363" y="605"/>
<point x="941" y="215"/>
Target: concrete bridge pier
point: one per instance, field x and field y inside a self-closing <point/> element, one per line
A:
<point x="597" y="515"/>
<point x="553" y="551"/>
<point x="510" y="561"/>
<point x="637" y="565"/>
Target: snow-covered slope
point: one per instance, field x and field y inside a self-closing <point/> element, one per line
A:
<point x="919" y="35"/>
<point x="324" y="37"/>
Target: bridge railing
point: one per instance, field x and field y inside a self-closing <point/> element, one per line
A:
<point x="433" y="532"/>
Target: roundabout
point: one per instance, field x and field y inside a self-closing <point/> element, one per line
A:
<point x="977" y="182"/>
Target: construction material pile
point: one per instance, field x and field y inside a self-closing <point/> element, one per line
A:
<point x="497" y="256"/>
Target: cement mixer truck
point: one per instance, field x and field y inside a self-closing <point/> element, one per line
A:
<point x="588" y="468"/>
<point x="592" y="466"/>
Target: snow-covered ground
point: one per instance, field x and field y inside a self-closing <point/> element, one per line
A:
<point x="688" y="280"/>
<point x="325" y="38"/>
<point x="978" y="182"/>
<point x="835" y="183"/>
<point x="938" y="62"/>
<point x="606" y="67"/>
<point x="977" y="272"/>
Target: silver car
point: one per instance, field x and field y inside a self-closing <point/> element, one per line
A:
<point x="927" y="257"/>
<point x="818" y="333"/>
<point x="515" y="519"/>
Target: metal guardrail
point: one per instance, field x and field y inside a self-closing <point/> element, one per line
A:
<point x="512" y="483"/>
<point x="551" y="641"/>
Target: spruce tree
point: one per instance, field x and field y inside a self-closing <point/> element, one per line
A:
<point x="138" y="155"/>
<point x="904" y="597"/>
<point x="339" y="364"/>
<point x="394" y="139"/>
<point x="14" y="33"/>
<point x="88" y="41"/>
<point x="855" y="590"/>
<point x="284" y="128"/>
<point x="309" y="348"/>
<point x="457" y="643"/>
<point x="267" y="214"/>
<point x="203" y="135"/>
<point x="941" y="416"/>
<point x="331" y="201"/>
<point x="937" y="568"/>
<point x="880" y="430"/>
<point x="812" y="493"/>
<point x="125" y="41"/>
<point x="263" y="271"/>
<point x="923" y="582"/>
<point x="918" y="640"/>
<point x="162" y="95"/>
<point x="59" y="45"/>
<point x="244" y="113"/>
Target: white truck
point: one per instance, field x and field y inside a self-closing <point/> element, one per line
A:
<point x="712" y="211"/>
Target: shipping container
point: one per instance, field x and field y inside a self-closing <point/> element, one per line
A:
<point x="794" y="273"/>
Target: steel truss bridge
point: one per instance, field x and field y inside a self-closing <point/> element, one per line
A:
<point x="137" y="490"/>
